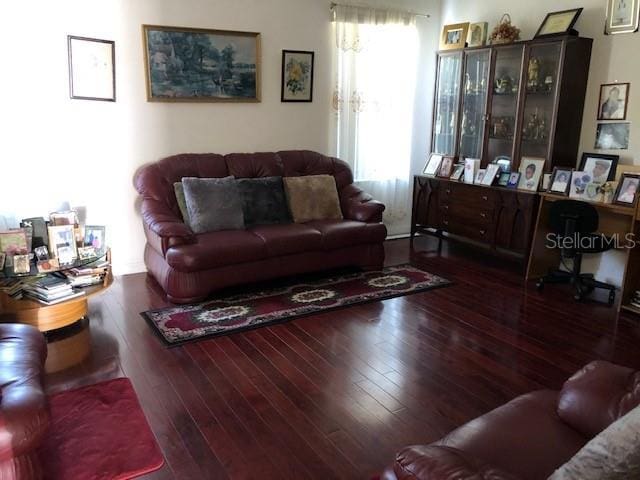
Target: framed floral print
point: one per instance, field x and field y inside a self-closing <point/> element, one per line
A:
<point x="297" y="76"/>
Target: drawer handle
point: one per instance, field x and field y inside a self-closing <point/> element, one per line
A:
<point x="448" y="190"/>
<point x="482" y="232"/>
<point x="446" y="222"/>
<point x="446" y="207"/>
<point x="483" y="215"/>
<point x="485" y="198"/>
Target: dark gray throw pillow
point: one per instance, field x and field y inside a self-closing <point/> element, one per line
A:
<point x="213" y="204"/>
<point x="263" y="201"/>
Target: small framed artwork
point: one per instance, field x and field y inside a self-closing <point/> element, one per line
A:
<point x="49" y="265"/>
<point x="41" y="253"/>
<point x="490" y="174"/>
<point x="612" y="136"/>
<point x="3" y="257"/>
<point x="471" y="166"/>
<point x="85" y="253"/>
<point x="201" y="65"/>
<point x="62" y="244"/>
<point x="477" y="36"/>
<point x="479" y="176"/>
<point x="458" y="171"/>
<point x="503" y="179"/>
<point x="94" y="236"/>
<point x="454" y="36"/>
<point x="445" y="167"/>
<point x="623" y="16"/>
<point x="560" y="180"/>
<point x="21" y="264"/>
<point x="14" y="242"/>
<point x="602" y="168"/>
<point x="546" y="180"/>
<point x="558" y="23"/>
<point x="627" y="191"/>
<point x="531" y="170"/>
<point x="92" y="68"/>
<point x="514" y="180"/>
<point x="433" y="164"/>
<point x="297" y="76"/>
<point x="613" y="101"/>
<point x="579" y="182"/>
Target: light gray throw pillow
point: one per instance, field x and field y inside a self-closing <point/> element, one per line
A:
<point x="613" y="454"/>
<point x="213" y="204"/>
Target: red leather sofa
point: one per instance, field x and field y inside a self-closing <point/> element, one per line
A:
<point x="189" y="267"/>
<point x="24" y="416"/>
<point x="529" y="437"/>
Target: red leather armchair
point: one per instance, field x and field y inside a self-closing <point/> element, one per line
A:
<point x="189" y="267"/>
<point x="23" y="409"/>
<point x="529" y="437"/>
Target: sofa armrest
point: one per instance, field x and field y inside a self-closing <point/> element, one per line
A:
<point x="161" y="222"/>
<point x="432" y="462"/>
<point x="358" y="205"/>
<point x="598" y="395"/>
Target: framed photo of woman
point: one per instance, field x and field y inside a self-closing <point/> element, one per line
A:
<point x="613" y="101"/>
<point x="627" y="192"/>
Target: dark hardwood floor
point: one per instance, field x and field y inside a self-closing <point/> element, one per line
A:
<point x="335" y="395"/>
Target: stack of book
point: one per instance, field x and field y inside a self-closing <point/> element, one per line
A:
<point x="86" y="276"/>
<point x="50" y="290"/>
<point x="635" y="300"/>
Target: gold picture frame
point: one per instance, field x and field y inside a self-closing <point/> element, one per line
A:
<point x="227" y="67"/>
<point x="454" y="36"/>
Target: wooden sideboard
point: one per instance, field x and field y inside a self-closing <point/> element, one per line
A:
<point x="499" y="218"/>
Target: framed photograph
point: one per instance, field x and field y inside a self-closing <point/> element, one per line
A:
<point x="41" y="253"/>
<point x="479" y="176"/>
<point x="3" y="257"/>
<point x="458" y="171"/>
<point x="297" y="76"/>
<point x="14" y="242"/>
<point x="85" y="253"/>
<point x="454" y="36"/>
<point x="92" y="68"/>
<point x="514" y="180"/>
<point x="49" y="265"/>
<point x="445" y="167"/>
<point x="612" y="136"/>
<point x="531" y="169"/>
<point x="94" y="236"/>
<point x="471" y="166"/>
<point x="546" y="180"/>
<point x="477" y="36"/>
<point x="623" y="16"/>
<point x="21" y="264"/>
<point x="602" y="168"/>
<point x="201" y="65"/>
<point x="63" y="218"/>
<point x="627" y="191"/>
<point x="490" y="174"/>
<point x="558" y="23"/>
<point x="612" y="104"/>
<point x="579" y="182"/>
<point x="62" y="244"/>
<point x="560" y="180"/>
<point x="433" y="164"/>
<point x="503" y="179"/>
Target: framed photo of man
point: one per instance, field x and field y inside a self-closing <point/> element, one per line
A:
<point x="602" y="168"/>
<point x="613" y="101"/>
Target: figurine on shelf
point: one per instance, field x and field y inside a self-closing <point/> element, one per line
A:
<point x="503" y="85"/>
<point x="536" y="128"/>
<point x="501" y="128"/>
<point x="548" y="83"/>
<point x="533" y="75"/>
<point x="468" y="86"/>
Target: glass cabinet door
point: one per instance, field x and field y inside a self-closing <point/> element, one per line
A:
<point x="474" y="103"/>
<point x="541" y="80"/>
<point x="445" y="128"/>
<point x="504" y="104"/>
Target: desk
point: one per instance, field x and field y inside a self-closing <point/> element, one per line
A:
<point x="614" y="219"/>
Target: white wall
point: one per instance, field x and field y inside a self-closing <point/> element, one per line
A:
<point x="54" y="149"/>
<point x="613" y="59"/>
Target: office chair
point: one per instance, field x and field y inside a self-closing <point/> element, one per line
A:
<point x="574" y="224"/>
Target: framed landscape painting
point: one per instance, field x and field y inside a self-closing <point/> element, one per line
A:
<point x="297" y="76"/>
<point x="199" y="65"/>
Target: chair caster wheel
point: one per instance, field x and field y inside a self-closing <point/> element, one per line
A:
<point x="540" y="285"/>
<point x="578" y="297"/>
<point x="612" y="298"/>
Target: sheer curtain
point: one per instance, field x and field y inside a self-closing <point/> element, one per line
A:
<point x="375" y="74"/>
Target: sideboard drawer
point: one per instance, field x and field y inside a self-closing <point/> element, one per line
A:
<point x="483" y="233"/>
<point x="479" y="197"/>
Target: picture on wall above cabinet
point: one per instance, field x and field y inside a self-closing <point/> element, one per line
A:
<point x="92" y="69"/>
<point x="623" y="16"/>
<point x="454" y="36"/>
<point x="477" y="36"/>
<point x="612" y="136"/>
<point x="201" y="65"/>
<point x="559" y="23"/>
<point x="613" y="101"/>
<point x="297" y="76"/>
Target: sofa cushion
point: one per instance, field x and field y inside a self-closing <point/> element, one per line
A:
<point x="182" y="203"/>
<point x="597" y="395"/>
<point x="613" y="454"/>
<point x="213" y="204"/>
<point x="524" y="437"/>
<point x="313" y="197"/>
<point x="263" y="201"/>
<point x="215" y="249"/>
<point x="288" y="239"/>
<point x="345" y="233"/>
